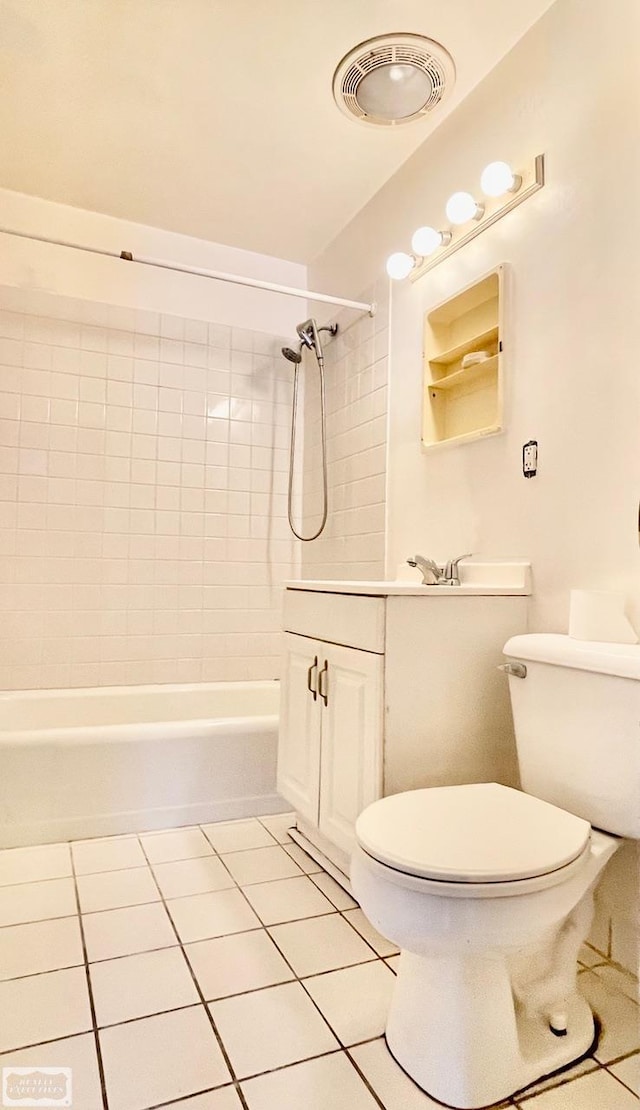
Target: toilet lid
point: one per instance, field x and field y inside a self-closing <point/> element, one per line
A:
<point x="482" y="833"/>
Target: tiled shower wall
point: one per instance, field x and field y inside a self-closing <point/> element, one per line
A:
<point x="142" y="496"/>
<point x="352" y="545"/>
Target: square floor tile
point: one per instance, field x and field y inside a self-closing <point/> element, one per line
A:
<point x="388" y="1080"/>
<point x="305" y="862"/>
<point x="628" y="1072"/>
<point x="44" y="1008"/>
<point x="25" y="865"/>
<point x="379" y="943"/>
<point x="260" y="865"/>
<point x="278" y="824"/>
<point x="320" y="944"/>
<point x="225" y="1098"/>
<point x="176" y="844"/>
<point x="43" y="946"/>
<point x="241" y="962"/>
<point x="124" y="932"/>
<point x="112" y="890"/>
<point x="618" y="1015"/>
<point x="37" y="901"/>
<point x="333" y="891"/>
<point x="329" y="1082"/>
<point x="269" y="1028"/>
<point x="109" y="854"/>
<point x="355" y="1001"/>
<point x="211" y="915"/>
<point x="618" y="980"/>
<point x="137" y="986"/>
<point x="77" y="1053"/>
<point x="192" y="876"/>
<point x="287" y="900"/>
<point x="161" y="1058"/>
<point x="236" y="836"/>
<point x="597" y="1091"/>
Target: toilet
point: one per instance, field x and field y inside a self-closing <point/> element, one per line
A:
<point x="488" y="891"/>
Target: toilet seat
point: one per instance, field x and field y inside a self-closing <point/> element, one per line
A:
<point x="476" y="834"/>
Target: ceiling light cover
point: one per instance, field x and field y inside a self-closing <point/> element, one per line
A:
<point x="393" y="79"/>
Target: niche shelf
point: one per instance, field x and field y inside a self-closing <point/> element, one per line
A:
<point x="463" y="403"/>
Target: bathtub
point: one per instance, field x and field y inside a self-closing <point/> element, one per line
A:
<point x="83" y="763"/>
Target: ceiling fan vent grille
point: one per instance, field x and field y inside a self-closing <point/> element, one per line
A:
<point x="423" y="55"/>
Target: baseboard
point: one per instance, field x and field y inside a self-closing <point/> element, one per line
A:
<point x="85" y="826"/>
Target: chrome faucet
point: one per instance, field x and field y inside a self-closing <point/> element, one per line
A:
<point x="446" y="575"/>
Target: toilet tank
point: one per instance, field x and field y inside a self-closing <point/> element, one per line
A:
<point x="576" y="717"/>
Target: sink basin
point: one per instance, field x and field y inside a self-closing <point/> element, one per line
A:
<point x="477" y="579"/>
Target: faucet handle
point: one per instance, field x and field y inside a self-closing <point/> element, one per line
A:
<point x="451" y="570"/>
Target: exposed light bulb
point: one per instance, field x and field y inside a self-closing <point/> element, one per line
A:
<point x="461" y="207"/>
<point x="498" y="178"/>
<point x="426" y="240"/>
<point x="400" y="265"/>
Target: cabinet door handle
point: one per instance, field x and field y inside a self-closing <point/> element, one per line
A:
<point x="323" y="687"/>
<point x="312" y="689"/>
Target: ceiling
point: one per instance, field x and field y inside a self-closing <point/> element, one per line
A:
<point x="215" y="118"/>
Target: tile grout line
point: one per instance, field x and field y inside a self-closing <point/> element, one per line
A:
<point x="196" y="984"/>
<point x="265" y="928"/>
<point x="85" y="955"/>
<point x="607" y="1067"/>
<point x="342" y="1046"/>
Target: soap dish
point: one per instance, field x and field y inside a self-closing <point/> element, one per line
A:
<point x="474" y="357"/>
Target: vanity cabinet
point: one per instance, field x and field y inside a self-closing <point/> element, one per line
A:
<point x="382" y="693"/>
<point x="331" y="734"/>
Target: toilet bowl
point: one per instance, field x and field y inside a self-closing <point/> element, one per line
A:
<point x="488" y="891"/>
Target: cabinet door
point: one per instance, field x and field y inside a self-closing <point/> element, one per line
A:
<point x="351" y="759"/>
<point x="299" y="734"/>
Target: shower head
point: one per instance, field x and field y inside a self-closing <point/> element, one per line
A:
<point x="309" y="333"/>
<point x="291" y="355"/>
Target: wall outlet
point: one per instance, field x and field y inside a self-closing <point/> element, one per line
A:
<point x="530" y="458"/>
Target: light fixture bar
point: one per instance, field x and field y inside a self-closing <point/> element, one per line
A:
<point x="196" y="271"/>
<point x="530" y="185"/>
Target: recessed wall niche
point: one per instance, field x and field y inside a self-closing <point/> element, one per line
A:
<point x="463" y="346"/>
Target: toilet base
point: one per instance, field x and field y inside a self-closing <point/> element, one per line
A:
<point x="457" y="1031"/>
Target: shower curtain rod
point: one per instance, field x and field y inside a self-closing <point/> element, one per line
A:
<point x="216" y="275"/>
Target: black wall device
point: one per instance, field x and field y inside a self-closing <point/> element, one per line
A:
<point x="530" y="458"/>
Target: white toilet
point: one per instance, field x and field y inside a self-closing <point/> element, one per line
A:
<point x="488" y="891"/>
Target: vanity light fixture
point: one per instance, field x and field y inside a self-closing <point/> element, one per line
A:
<point x="426" y="240"/>
<point x="461" y="207"/>
<point x="503" y="189"/>
<point x="400" y="265"/>
<point x="498" y="178"/>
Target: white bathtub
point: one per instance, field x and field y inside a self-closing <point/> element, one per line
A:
<point x="81" y="763"/>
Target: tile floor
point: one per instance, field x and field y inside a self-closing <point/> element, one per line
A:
<point x="219" y="967"/>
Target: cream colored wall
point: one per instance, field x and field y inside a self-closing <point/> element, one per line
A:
<point x="570" y="90"/>
<point x="56" y="269"/>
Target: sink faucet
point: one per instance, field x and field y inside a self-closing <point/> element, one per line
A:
<point x="446" y="575"/>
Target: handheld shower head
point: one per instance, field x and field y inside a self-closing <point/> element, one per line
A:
<point x="293" y="356"/>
